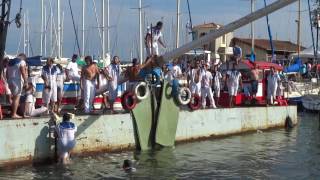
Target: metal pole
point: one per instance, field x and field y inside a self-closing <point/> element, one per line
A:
<point x="83" y="21"/>
<point x="103" y="32"/>
<point x="45" y="32"/>
<point x="299" y="27"/>
<point x="62" y="34"/>
<point x="140" y="33"/>
<point x="28" y="34"/>
<point x="252" y="27"/>
<point x="24" y="32"/>
<point x="59" y="29"/>
<point x="178" y="23"/>
<point x="108" y="28"/>
<point x="42" y="29"/>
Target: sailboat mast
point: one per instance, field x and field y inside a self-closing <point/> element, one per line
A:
<point x="140" y="33"/>
<point x="83" y="21"/>
<point x="178" y="23"/>
<point x="108" y="28"/>
<point x="252" y="27"/>
<point x="42" y="29"/>
<point x="299" y="27"/>
<point x="59" y="28"/>
<point x="45" y="31"/>
<point x="103" y="32"/>
<point x="24" y="32"/>
<point x="28" y="34"/>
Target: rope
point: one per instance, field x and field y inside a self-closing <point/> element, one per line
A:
<point x="74" y="27"/>
<point x="269" y="32"/>
<point x="312" y="35"/>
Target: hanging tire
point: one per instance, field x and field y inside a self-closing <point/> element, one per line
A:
<point x="184" y="96"/>
<point x="195" y="102"/>
<point x="128" y="101"/>
<point x="141" y="91"/>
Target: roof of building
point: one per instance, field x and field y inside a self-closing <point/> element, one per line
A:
<point x="208" y="25"/>
<point x="265" y="44"/>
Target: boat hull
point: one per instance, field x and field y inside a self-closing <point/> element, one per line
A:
<point x="31" y="140"/>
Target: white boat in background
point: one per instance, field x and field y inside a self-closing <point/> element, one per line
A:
<point x="311" y="102"/>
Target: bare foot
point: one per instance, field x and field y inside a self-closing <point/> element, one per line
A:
<point x="16" y="116"/>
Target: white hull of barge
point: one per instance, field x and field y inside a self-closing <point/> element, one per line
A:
<point x="29" y="140"/>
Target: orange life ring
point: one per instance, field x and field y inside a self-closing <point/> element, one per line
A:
<point x="129" y="101"/>
<point x="195" y="102"/>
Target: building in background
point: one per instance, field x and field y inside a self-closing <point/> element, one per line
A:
<point x="263" y="52"/>
<point x="219" y="47"/>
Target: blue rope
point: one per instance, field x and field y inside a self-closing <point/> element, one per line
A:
<point x="269" y="32"/>
<point x="312" y="35"/>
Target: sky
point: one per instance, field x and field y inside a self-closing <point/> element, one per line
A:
<point x="124" y="23"/>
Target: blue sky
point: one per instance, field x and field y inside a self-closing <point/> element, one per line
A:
<point x="124" y="22"/>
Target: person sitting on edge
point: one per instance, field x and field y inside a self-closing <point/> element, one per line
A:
<point x="72" y="70"/>
<point x="89" y="76"/>
<point x="66" y="138"/>
<point x="254" y="80"/>
<point x="49" y="76"/>
<point x="233" y="80"/>
<point x="206" y="84"/>
<point x="216" y="83"/>
<point x="17" y="79"/>
<point x="272" y="87"/>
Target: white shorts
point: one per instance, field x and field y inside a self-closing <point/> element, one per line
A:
<point x="195" y="89"/>
<point x="49" y="94"/>
<point x="15" y="86"/>
<point x="64" y="147"/>
<point x="233" y="90"/>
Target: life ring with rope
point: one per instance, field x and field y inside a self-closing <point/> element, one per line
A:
<point x="184" y="96"/>
<point x="128" y="100"/>
<point x="141" y="91"/>
<point x="195" y="102"/>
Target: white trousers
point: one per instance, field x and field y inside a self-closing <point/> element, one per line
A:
<point x="272" y="91"/>
<point x="207" y="92"/>
<point x="89" y="89"/>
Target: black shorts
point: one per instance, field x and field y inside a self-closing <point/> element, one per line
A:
<point x="254" y="87"/>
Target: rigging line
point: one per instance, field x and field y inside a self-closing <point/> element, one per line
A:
<point x="19" y="44"/>
<point x="269" y="32"/>
<point x="115" y="43"/>
<point x="97" y="20"/>
<point x="74" y="27"/>
<point x="312" y="35"/>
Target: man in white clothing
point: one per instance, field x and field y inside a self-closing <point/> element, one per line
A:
<point x="72" y="70"/>
<point x="206" y="83"/>
<point x="194" y="79"/>
<point x="89" y="76"/>
<point x="233" y="80"/>
<point x="216" y="83"/>
<point x="49" y="76"/>
<point x="17" y="79"/>
<point x="114" y="72"/>
<point x="153" y="37"/>
<point x="273" y="79"/>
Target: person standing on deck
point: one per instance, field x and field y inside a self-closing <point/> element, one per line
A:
<point x="254" y="80"/>
<point x="89" y="76"/>
<point x="206" y="84"/>
<point x="114" y="76"/>
<point x="195" y="79"/>
<point x="60" y="84"/>
<point x="273" y="79"/>
<point x="72" y="70"/>
<point x="237" y="54"/>
<point x="66" y="138"/>
<point x="216" y="87"/>
<point x="153" y="37"/>
<point x="17" y="79"/>
<point x="49" y="76"/>
<point x="233" y="80"/>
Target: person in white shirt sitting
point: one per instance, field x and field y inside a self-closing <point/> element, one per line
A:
<point x="206" y="84"/>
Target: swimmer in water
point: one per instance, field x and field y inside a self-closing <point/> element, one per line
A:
<point x="128" y="166"/>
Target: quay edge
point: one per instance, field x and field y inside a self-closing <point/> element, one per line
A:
<point x="30" y="140"/>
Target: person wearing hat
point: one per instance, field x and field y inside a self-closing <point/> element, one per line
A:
<point x="153" y="37"/>
<point x="49" y="76"/>
<point x="206" y="84"/>
<point x="65" y="132"/>
<point x="89" y="76"/>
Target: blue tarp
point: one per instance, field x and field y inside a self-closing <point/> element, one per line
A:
<point x="294" y="67"/>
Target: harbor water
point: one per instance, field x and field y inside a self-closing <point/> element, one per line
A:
<point x="273" y="154"/>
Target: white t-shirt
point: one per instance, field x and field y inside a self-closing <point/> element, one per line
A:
<point x="206" y="77"/>
<point x="156" y="35"/>
<point x="234" y="77"/>
<point x="73" y="68"/>
<point x="13" y="69"/>
<point x="51" y="75"/>
<point x="114" y="72"/>
<point x="66" y="132"/>
<point x="217" y="78"/>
